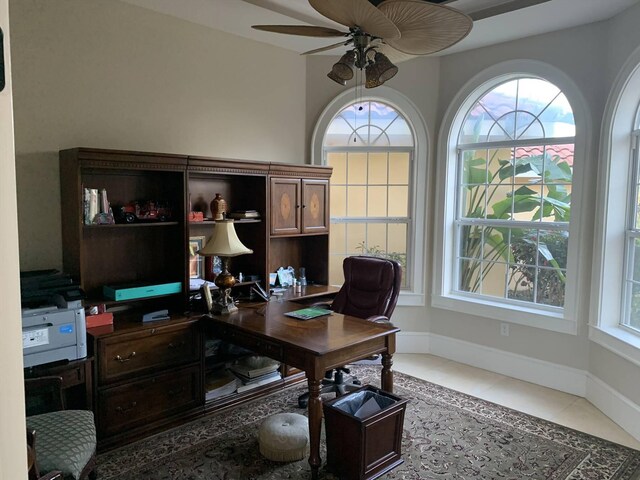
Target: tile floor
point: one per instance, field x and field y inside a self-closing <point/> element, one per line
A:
<point x="559" y="407"/>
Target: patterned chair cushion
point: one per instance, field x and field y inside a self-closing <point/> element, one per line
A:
<point x="65" y="440"/>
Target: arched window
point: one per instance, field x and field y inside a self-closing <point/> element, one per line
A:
<point x="370" y="146"/>
<point x="515" y="166"/>
<point x="379" y="197"/>
<point x="507" y="203"/>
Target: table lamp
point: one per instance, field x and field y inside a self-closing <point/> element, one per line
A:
<point x="225" y="244"/>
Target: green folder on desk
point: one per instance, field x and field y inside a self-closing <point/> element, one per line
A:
<point x="309" y="313"/>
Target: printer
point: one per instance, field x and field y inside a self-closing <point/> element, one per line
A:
<point x="53" y="321"/>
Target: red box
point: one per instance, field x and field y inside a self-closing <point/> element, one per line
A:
<point x="196" y="216"/>
<point x="99" y="320"/>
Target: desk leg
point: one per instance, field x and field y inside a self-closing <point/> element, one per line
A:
<point x="315" y="425"/>
<point x="387" y="373"/>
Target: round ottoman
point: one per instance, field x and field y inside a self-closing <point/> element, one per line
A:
<point x="284" y="437"/>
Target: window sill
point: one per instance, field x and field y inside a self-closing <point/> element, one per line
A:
<point x="410" y="299"/>
<point x="507" y="313"/>
<point x="618" y="340"/>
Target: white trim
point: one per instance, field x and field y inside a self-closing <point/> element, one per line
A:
<point x="612" y="191"/>
<point x="614" y="405"/>
<point x="443" y="292"/>
<point x="609" y="401"/>
<point x="617" y="340"/>
<point x="415" y="296"/>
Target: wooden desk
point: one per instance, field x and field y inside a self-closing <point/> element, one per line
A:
<point x="313" y="346"/>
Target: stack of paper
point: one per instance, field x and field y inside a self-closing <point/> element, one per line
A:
<point x="219" y="384"/>
<point x="254" y="371"/>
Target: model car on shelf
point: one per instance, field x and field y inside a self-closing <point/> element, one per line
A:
<point x="149" y="211"/>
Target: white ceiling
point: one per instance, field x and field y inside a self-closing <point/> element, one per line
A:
<point x="237" y="16"/>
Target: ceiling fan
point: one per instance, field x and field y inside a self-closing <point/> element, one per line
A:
<point x="381" y="32"/>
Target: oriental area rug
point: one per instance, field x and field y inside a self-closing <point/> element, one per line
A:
<point x="447" y="435"/>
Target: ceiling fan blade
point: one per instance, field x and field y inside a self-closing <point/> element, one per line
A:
<point x="425" y="27"/>
<point x="328" y="47"/>
<point x="396" y="56"/>
<point x="357" y="13"/>
<point x="303" y="30"/>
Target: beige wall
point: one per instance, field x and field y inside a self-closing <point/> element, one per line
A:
<point x="106" y="74"/>
<point x="13" y="455"/>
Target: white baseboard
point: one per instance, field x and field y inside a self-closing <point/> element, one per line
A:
<point x="559" y="377"/>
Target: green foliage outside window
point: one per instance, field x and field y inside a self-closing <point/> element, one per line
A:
<point x="518" y="247"/>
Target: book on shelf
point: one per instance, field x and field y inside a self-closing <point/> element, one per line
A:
<point x="275" y="375"/>
<point x="242" y="214"/>
<point x="220" y="384"/>
<point x="258" y="382"/>
<point x="254" y="366"/>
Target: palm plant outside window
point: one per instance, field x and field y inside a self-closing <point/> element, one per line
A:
<point x="515" y="154"/>
<point x="370" y="146"/>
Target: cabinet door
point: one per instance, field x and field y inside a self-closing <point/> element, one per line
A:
<point x="285" y="206"/>
<point x="315" y="206"/>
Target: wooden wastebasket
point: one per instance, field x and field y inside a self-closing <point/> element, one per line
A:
<point x="364" y="448"/>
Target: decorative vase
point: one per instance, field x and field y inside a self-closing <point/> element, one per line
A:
<point x="218" y="207"/>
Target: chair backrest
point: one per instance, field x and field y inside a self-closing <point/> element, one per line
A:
<point x="371" y="287"/>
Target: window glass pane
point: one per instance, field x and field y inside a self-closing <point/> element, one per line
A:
<point x="338" y="133"/>
<point x="493" y="279"/>
<point x="399" y="133"/>
<point x="398" y="238"/>
<point x="336" y="274"/>
<point x="338" y="201"/>
<point x="521" y="283"/>
<point x="558" y="120"/>
<point x="398" y="201"/>
<point x="377" y="201"/>
<point x="338" y="160"/>
<point x="550" y="286"/>
<point x="552" y="248"/>
<point x="338" y="238"/>
<point x="357" y="169"/>
<point x="356" y="201"/>
<point x="377" y="236"/>
<point x="399" y="168"/>
<point x="635" y="275"/>
<point x="378" y="168"/>
<point x="471" y="238"/>
<point x="356" y="237"/>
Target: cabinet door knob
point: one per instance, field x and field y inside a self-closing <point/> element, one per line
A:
<point x="123" y="360"/>
<point x="304" y="206"/>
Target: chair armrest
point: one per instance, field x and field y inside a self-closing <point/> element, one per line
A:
<point x="380" y="319"/>
<point x="325" y="305"/>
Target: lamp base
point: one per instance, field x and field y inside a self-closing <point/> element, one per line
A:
<point x="224" y="303"/>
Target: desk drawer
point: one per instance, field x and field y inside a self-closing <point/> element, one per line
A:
<point x="142" y="402"/>
<point x="256" y="344"/>
<point x="128" y="355"/>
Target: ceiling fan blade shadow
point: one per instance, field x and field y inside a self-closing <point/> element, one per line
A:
<point x="328" y="47"/>
<point x="302" y="30"/>
<point x="357" y="13"/>
<point x="504" y="8"/>
<point x="425" y="27"/>
<point x="395" y="56"/>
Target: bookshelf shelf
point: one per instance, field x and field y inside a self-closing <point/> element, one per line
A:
<point x="131" y="225"/>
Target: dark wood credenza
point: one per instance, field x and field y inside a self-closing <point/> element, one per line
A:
<point x="146" y="377"/>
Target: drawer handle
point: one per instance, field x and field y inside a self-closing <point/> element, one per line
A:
<point x="173" y="345"/>
<point x="123" y="410"/>
<point x="123" y="360"/>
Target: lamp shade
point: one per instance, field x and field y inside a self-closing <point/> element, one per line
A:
<point x="379" y="71"/>
<point x="224" y="242"/>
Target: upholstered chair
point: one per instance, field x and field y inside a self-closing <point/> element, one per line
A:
<point x="370" y="291"/>
<point x="61" y="440"/>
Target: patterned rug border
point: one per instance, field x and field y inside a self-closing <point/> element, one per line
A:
<point x="166" y="445"/>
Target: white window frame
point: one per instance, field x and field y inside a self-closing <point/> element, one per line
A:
<point x="614" y="189"/>
<point x="414" y="295"/>
<point x="444" y="293"/>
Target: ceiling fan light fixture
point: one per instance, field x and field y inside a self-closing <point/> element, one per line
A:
<point x="341" y="81"/>
<point x="379" y="71"/>
<point x="344" y="67"/>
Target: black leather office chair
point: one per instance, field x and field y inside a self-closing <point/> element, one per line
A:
<point x="370" y="291"/>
